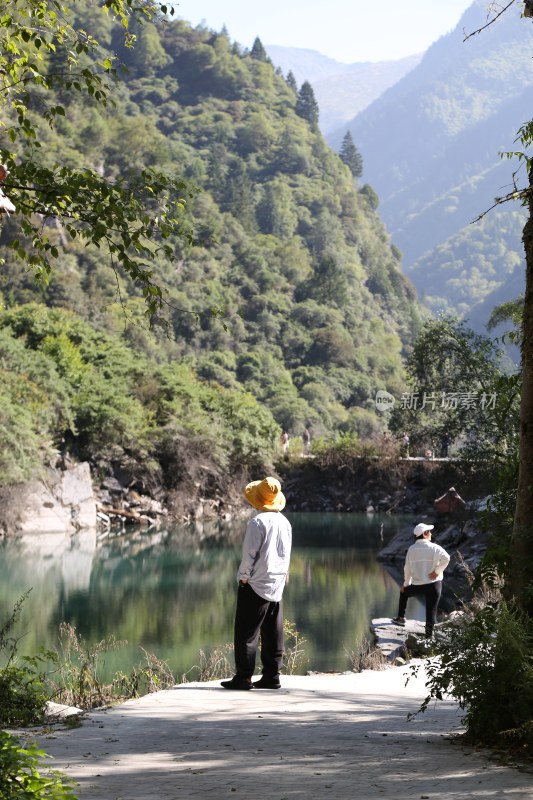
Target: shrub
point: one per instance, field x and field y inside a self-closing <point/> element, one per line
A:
<point x="20" y="777"/>
<point x="345" y="447"/>
<point x="485" y="661"/>
<point x="22" y="685"/>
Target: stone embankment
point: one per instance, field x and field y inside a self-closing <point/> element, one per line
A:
<point x="69" y="499"/>
<point x="390" y="485"/>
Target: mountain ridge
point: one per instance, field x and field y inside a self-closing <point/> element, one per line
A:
<point x="451" y="115"/>
<point x="342" y="90"/>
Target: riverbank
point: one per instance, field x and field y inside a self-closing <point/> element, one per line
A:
<point x="320" y="736"/>
<point x="70" y="499"/>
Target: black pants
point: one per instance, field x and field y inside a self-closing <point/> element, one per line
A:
<point x="255" y="616"/>
<point x="431" y="593"/>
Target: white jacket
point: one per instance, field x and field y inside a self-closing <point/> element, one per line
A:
<point x="423" y="558"/>
<point x="266" y="553"/>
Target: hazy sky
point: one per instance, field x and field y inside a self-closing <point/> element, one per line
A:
<point x="346" y="30"/>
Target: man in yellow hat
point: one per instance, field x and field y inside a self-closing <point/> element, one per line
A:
<point x="262" y="576"/>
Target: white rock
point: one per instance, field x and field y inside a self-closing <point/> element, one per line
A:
<point x="62" y="503"/>
<point x="60" y="711"/>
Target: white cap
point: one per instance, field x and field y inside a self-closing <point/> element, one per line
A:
<point x="422" y="528"/>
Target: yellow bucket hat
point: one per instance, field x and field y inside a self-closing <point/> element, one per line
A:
<point x="265" y="495"/>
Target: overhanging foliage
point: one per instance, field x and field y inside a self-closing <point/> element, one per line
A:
<point x="46" y="54"/>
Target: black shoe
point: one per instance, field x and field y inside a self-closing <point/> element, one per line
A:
<point x="399" y="621"/>
<point x="238" y="684"/>
<point x="268" y="683"/>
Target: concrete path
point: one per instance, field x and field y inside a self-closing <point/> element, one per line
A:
<point x="320" y="736"/>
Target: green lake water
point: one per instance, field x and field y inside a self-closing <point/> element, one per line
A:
<point x="172" y="591"/>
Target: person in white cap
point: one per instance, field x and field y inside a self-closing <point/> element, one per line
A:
<point x="424" y="564"/>
<point x="262" y="576"/>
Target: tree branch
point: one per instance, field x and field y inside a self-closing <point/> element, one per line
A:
<point x="516" y="194"/>
<point x="483" y="27"/>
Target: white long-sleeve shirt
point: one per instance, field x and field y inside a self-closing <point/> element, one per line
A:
<point x="423" y="558"/>
<point x="266" y="553"/>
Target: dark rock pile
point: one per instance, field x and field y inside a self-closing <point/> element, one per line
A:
<point x="397" y="486"/>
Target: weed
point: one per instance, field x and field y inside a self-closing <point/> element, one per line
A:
<point x="216" y="664"/>
<point x="150" y="676"/>
<point x="213" y="665"/>
<point x="294" y="657"/>
<point x="365" y="655"/>
<point x="78" y="683"/>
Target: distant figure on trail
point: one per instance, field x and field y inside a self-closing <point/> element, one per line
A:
<point x="424" y="564"/>
<point x="445" y="443"/>
<point x="404" y="445"/>
<point x="306" y="441"/>
<point x="285" y="438"/>
<point x="262" y="576"/>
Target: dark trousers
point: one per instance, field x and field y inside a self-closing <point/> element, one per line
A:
<point x="255" y="616"/>
<point x="431" y="592"/>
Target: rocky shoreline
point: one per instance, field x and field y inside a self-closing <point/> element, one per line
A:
<point x="69" y="500"/>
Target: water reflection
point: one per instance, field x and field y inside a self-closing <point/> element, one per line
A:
<point x="172" y="591"/>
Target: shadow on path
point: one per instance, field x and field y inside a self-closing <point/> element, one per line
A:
<point x="206" y="742"/>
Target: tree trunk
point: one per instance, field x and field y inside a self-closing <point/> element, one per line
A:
<point x="521" y="568"/>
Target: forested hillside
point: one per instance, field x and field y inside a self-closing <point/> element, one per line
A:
<point x="431" y="146"/>
<point x="288" y="309"/>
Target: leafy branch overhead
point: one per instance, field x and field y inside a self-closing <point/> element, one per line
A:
<point x="46" y="53"/>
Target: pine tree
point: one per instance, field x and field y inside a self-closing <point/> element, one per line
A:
<point x="258" y="51"/>
<point x="291" y="81"/>
<point x="351" y="155"/>
<point x="307" y="106"/>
